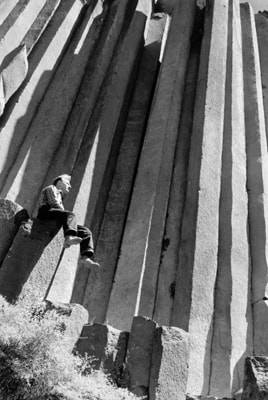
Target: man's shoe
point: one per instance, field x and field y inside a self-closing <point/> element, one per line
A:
<point x="71" y="240"/>
<point x="88" y="263"/>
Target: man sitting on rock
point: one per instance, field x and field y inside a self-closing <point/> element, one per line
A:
<point x="51" y="208"/>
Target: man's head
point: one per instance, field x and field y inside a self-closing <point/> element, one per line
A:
<point x="62" y="182"/>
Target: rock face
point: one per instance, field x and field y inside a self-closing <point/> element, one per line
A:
<point x="255" y="381"/>
<point x="12" y="215"/>
<point x="158" y="110"/>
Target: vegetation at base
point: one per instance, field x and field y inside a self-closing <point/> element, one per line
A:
<point x="36" y="360"/>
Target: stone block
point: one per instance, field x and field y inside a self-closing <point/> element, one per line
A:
<point x="139" y="355"/>
<point x="120" y="373"/>
<point x="77" y="317"/>
<point x="11" y="217"/>
<point x="99" y="342"/>
<point x="193" y="308"/>
<point x="169" y="370"/>
<point x="97" y="293"/>
<point x="255" y="386"/>
<point x="144" y="229"/>
<point x="30" y="264"/>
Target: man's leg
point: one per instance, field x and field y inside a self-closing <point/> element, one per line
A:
<point x="68" y="221"/>
<point x="86" y="246"/>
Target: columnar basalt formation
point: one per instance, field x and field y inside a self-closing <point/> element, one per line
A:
<point x="158" y="110"/>
<point x="144" y="228"/>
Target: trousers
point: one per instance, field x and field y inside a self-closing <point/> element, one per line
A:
<point x="70" y="227"/>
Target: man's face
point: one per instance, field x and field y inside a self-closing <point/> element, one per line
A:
<point x="64" y="185"/>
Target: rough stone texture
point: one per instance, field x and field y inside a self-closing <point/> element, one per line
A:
<point x="77" y="318"/>
<point x="99" y="342"/>
<point x="14" y="72"/>
<point x="169" y="371"/>
<point x="257" y="174"/>
<point x="42" y="64"/>
<point x="171" y="240"/>
<point x="43" y="136"/>
<point x="139" y="355"/>
<point x="194" y="297"/>
<point x="255" y="382"/>
<point x="29" y="265"/>
<point x="11" y="216"/>
<point x="262" y="36"/>
<point x="137" y="269"/>
<point x="120" y="374"/>
<point x="17" y="24"/>
<point x="97" y="294"/>
<point x="260" y="319"/>
<point x="232" y="329"/>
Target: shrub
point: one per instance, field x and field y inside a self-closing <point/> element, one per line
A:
<point x="36" y="360"/>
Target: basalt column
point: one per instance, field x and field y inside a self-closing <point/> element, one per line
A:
<point x="169" y="255"/>
<point x="197" y="267"/>
<point x="137" y="269"/>
<point x="257" y="179"/>
<point x="232" y="330"/>
<point x="97" y="293"/>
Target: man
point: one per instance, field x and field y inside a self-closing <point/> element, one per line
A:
<point x="51" y="207"/>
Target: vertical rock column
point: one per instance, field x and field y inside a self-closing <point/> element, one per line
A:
<point x="232" y="331"/>
<point x="194" y="298"/>
<point x="96" y="297"/>
<point x="257" y="179"/>
<point x="137" y="269"/>
<point x="169" y="255"/>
